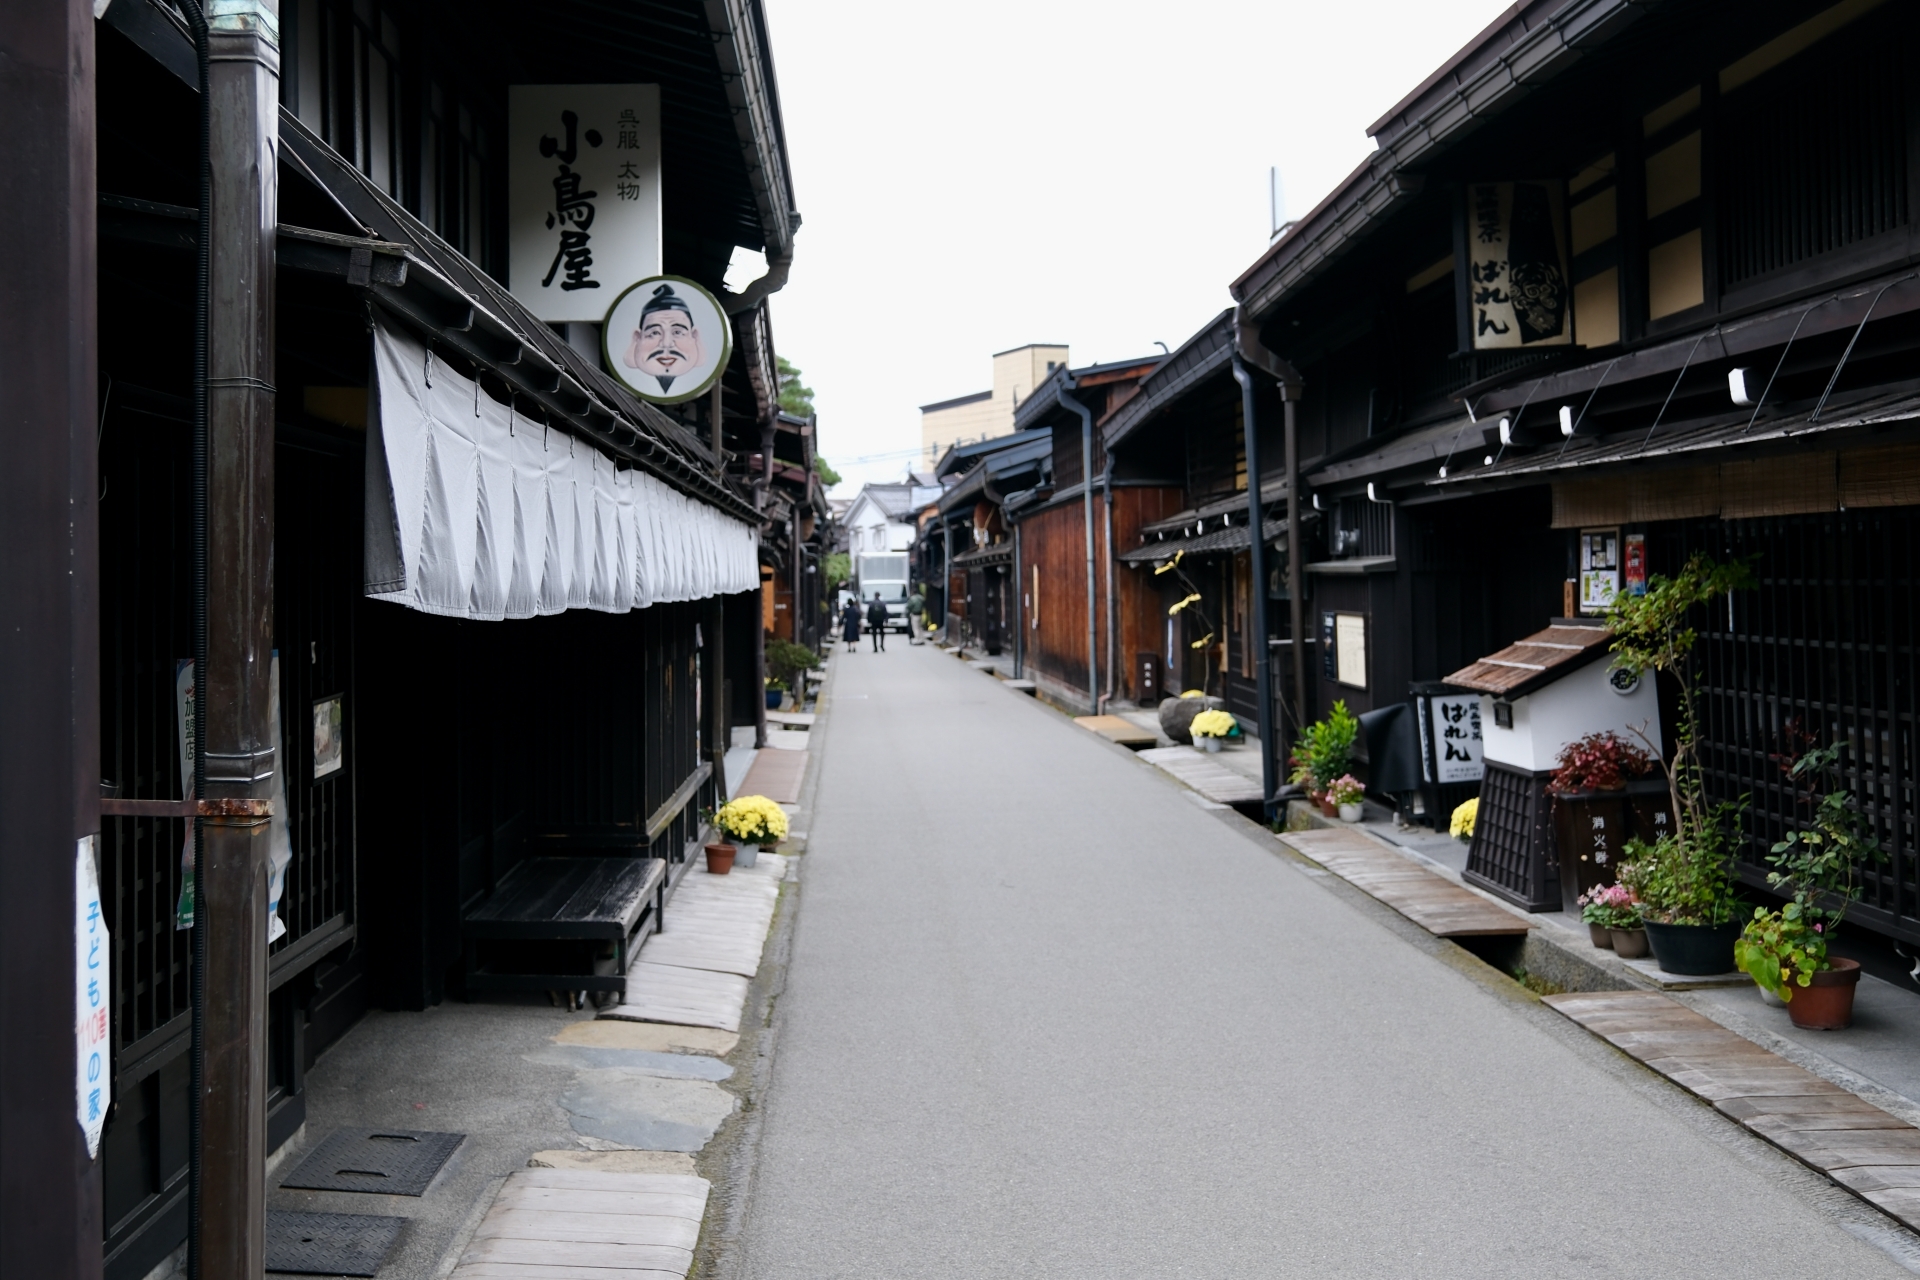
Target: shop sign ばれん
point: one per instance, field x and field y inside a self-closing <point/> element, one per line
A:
<point x="1519" y="292"/>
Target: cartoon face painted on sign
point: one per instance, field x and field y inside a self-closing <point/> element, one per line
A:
<point x="667" y="339"/>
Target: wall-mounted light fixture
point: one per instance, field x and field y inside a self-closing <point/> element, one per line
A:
<point x="1737" y="386"/>
<point x="1566" y="420"/>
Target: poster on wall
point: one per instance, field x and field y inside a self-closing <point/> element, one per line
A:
<point x="583" y="194"/>
<point x="92" y="1023"/>
<point x="329" y="736"/>
<point x="1517" y="280"/>
<point x="667" y="339"/>
<point x="1633" y="572"/>
<point x="1599" y="569"/>
<point x="1350" y="649"/>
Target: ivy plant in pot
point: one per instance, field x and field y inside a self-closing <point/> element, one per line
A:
<point x="1590" y="810"/>
<point x="1612" y="916"/>
<point x="1818" y="867"/>
<point x="1684" y="880"/>
<point x="1322" y="754"/>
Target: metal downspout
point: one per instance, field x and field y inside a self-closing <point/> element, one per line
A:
<point x="1019" y="614"/>
<point x="1112" y="609"/>
<point x="1086" y="508"/>
<point x="1257" y="606"/>
<point x="1249" y="349"/>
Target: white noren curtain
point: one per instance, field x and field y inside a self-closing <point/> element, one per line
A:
<point x="474" y="512"/>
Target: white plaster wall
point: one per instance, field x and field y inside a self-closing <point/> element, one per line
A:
<point x="1566" y="711"/>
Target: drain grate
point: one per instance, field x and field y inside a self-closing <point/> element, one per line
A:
<point x="392" y="1162"/>
<point x="329" y="1244"/>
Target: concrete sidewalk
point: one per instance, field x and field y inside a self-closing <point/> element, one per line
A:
<point x="1046" y="1016"/>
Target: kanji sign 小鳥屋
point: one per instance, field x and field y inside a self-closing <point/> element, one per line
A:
<point x="583" y="194"/>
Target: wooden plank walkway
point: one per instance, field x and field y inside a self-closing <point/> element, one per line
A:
<point x="695" y="972"/>
<point x="776" y="775"/>
<point x="1431" y="901"/>
<point x="579" y="1224"/>
<point x="720" y="923"/>
<point x="1118" y="729"/>
<point x="1870" y="1152"/>
<point x="1214" y="781"/>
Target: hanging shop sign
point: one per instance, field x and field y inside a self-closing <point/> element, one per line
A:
<point x="1517" y="282"/>
<point x="583" y="194"/>
<point x="667" y="339"/>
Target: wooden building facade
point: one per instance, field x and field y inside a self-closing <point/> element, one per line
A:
<point x="1655" y="294"/>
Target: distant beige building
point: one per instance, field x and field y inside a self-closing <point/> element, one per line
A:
<point x="986" y="414"/>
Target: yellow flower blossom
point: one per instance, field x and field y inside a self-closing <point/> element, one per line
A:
<point x="1461" y="827"/>
<point x="1213" y="724"/>
<point x="752" y="820"/>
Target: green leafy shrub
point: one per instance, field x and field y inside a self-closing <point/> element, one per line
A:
<point x="786" y="660"/>
<point x="1325" y="749"/>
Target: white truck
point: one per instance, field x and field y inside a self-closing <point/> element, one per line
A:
<point x="885" y="572"/>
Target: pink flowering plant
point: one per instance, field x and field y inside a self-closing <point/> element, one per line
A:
<point x="1346" y="789"/>
<point x="1817" y="868"/>
<point x="1611" y="906"/>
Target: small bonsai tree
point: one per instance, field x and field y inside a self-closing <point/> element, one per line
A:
<point x="786" y="660"/>
<point x="1685" y="877"/>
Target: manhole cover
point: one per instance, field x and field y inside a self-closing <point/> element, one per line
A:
<point x="392" y="1162"/>
<point x="329" y="1244"/>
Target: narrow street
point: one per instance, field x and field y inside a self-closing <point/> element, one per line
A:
<point x="1047" y="1016"/>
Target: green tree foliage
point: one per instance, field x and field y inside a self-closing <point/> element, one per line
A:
<point x="796" y="397"/>
<point x="828" y="476"/>
<point x="837" y="568"/>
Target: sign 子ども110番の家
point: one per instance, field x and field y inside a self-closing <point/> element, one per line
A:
<point x="1518" y="289"/>
<point x="583" y="194"/>
<point x="667" y="339"/>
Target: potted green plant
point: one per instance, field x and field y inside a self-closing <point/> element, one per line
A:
<point x="1684" y="879"/>
<point x="1347" y="792"/>
<point x="1210" y="728"/>
<point x="1323" y="752"/>
<point x="785" y="663"/>
<point x="1590" y="812"/>
<point x="750" y="822"/>
<point x="1612" y="916"/>
<point x="1817" y="867"/>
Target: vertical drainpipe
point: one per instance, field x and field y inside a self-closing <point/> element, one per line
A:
<point x="1019" y="613"/>
<point x="713" y="639"/>
<point x="1257" y="571"/>
<point x="1248" y="349"/>
<point x="1113" y="626"/>
<point x="765" y="495"/>
<point x="235" y="694"/>
<point x="1086" y="509"/>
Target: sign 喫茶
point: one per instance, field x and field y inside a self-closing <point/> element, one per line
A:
<point x="1518" y="289"/>
<point x="583" y="197"/>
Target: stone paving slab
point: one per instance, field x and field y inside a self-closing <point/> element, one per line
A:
<point x="1201" y="772"/>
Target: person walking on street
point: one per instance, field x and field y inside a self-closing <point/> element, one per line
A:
<point x="916" y="605"/>
<point x="877" y="623"/>
<point x="850" y="624"/>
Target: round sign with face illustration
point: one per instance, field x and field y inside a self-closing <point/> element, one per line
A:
<point x="667" y="339"/>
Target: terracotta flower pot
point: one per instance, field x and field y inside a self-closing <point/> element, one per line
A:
<point x="719" y="859"/>
<point x="1601" y="935"/>
<point x="1629" y="944"/>
<point x="1327" y="807"/>
<point x="1827" y="1005"/>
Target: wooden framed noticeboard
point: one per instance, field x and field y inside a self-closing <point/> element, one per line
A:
<point x="1343" y="648"/>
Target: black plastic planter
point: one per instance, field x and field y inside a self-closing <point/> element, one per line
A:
<point x="1696" y="950"/>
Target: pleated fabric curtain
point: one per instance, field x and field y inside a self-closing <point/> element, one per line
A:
<point x="474" y="512"/>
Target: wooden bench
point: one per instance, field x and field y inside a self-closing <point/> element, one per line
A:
<point x="616" y="900"/>
<point x="551" y="916"/>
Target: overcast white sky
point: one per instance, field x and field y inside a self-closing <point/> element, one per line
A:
<point x="978" y="176"/>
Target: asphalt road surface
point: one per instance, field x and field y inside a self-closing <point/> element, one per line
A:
<point x="1045" y="1016"/>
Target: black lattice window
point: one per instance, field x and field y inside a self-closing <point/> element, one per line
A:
<point x="1813" y="156"/>
<point x="1826" y="646"/>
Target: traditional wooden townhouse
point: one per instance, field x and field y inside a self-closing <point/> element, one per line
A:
<point x="1032" y="520"/>
<point x="1624" y="282"/>
<point x="372" y="391"/>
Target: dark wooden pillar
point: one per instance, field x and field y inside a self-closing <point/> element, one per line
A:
<point x="235" y="689"/>
<point x="49" y="650"/>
